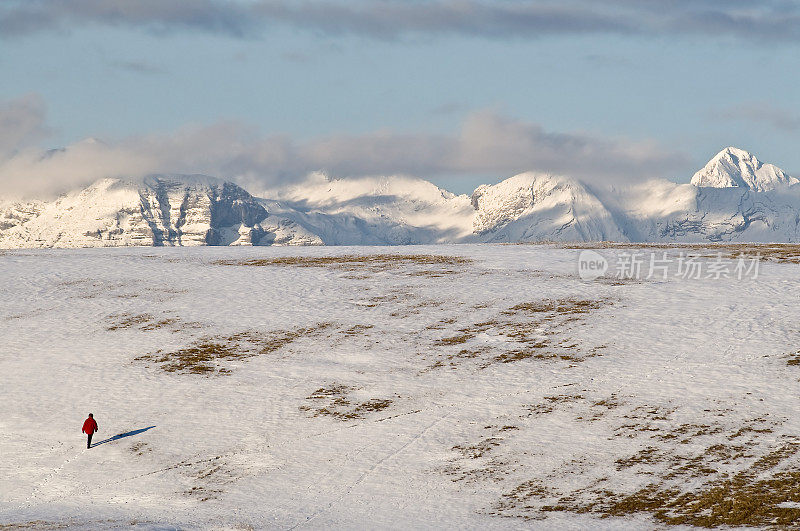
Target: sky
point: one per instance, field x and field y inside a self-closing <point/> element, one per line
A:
<point x="460" y="92"/>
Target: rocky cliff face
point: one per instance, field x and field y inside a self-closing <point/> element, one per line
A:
<point x="732" y="215"/>
<point x="160" y="210"/>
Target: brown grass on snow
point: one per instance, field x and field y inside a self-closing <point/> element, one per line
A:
<point x="372" y="262"/>
<point x="778" y="252"/>
<point x="333" y="401"/>
<point x="205" y="356"/>
<point x="147" y="322"/>
<point x="729" y="482"/>
<point x="534" y="330"/>
<point x="746" y="499"/>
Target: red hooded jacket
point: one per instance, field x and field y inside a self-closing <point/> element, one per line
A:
<point x="89" y="426"/>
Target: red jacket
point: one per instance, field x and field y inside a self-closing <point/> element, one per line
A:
<point x="89" y="426"/>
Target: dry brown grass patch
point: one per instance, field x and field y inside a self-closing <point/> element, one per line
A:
<point x="357" y="330"/>
<point x="482" y="460"/>
<point x="723" y="484"/>
<point x="558" y="306"/>
<point x="201" y="358"/>
<point x="36" y="524"/>
<point x="207" y="355"/>
<point x="647" y="456"/>
<point x="475" y="451"/>
<point x="434" y="273"/>
<point x="372" y="405"/>
<point x="523" y="494"/>
<point x="609" y="403"/>
<point x="169" y="322"/>
<point x="124" y="321"/>
<point x="776" y="252"/>
<point x="534" y="351"/>
<point x="147" y="323"/>
<point x="532" y="330"/>
<point x="202" y="493"/>
<point x="333" y="401"/>
<point x="445" y="265"/>
<point x="441" y="324"/>
<point x="632" y="245"/>
<point x="744" y="500"/>
<point x="767" y="250"/>
<point x="454" y="340"/>
<point x="140" y="448"/>
<point x="336" y="390"/>
<point x="564" y="398"/>
<point x="789" y="253"/>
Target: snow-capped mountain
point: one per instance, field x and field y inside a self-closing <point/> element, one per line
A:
<point x="537" y="207"/>
<point x="734" y="167"/>
<point x="685" y="213"/>
<point x="397" y="210"/>
<point x="734" y="198"/>
<point x="161" y="210"/>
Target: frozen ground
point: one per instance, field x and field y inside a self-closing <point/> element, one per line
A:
<point x="316" y="388"/>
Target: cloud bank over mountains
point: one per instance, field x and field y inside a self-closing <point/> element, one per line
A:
<point x="487" y="144"/>
<point x="768" y="20"/>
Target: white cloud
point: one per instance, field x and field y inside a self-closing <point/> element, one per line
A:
<point x="486" y="145"/>
<point x="492" y="143"/>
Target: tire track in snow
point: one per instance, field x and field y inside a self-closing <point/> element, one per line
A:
<point x="34" y="497"/>
<point x="187" y="463"/>
<point x="31" y="499"/>
<point x="369" y="471"/>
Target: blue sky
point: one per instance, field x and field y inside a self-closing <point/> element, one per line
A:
<point x="459" y="92"/>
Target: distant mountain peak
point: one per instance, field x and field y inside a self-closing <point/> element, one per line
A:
<point x="156" y="210"/>
<point x="736" y="168"/>
<point x="541" y="206"/>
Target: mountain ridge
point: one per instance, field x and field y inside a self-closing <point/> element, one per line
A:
<point x="735" y="197"/>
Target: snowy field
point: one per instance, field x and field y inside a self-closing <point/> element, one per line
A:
<point x="472" y="386"/>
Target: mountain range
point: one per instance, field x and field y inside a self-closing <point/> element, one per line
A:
<point x="734" y="198"/>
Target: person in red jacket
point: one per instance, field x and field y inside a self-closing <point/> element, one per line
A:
<point x="89" y="427"/>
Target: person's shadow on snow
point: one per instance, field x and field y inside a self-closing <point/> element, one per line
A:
<point x="123" y="435"/>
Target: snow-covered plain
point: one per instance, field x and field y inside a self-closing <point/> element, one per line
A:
<point x="499" y="391"/>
